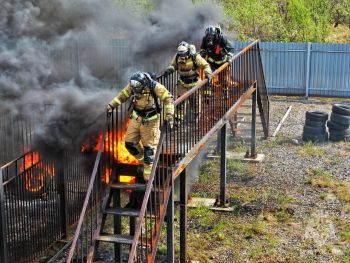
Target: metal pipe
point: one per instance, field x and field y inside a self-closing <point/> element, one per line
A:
<point x="63" y="203"/>
<point x="183" y="216"/>
<point x="223" y="166"/>
<point x="253" y="131"/>
<point x="307" y="80"/>
<point x="170" y="224"/>
<point x="3" y="246"/>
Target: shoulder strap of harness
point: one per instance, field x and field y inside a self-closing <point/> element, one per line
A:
<point x="193" y="57"/>
<point x="152" y="87"/>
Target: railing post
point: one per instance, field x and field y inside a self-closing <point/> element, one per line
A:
<point x="183" y="216"/>
<point x="170" y="224"/>
<point x="3" y="246"/>
<point x="307" y="79"/>
<point x="63" y="201"/>
<point x="117" y="227"/>
<point x="218" y="142"/>
<point x="223" y="166"/>
<point x="253" y="130"/>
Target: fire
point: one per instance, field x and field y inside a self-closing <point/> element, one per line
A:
<point x="117" y="149"/>
<point x="35" y="172"/>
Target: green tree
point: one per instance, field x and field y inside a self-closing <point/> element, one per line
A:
<point x="307" y="20"/>
<point x="253" y="19"/>
<point x="340" y="12"/>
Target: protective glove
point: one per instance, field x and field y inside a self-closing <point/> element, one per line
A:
<point x="209" y="77"/>
<point x="203" y="53"/>
<point x="110" y="109"/>
<point x="168" y="71"/>
<point x="170" y="120"/>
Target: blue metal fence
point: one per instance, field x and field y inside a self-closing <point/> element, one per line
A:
<point x="308" y="69"/>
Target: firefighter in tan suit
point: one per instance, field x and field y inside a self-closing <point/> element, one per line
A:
<point x="187" y="62"/>
<point x="145" y="118"/>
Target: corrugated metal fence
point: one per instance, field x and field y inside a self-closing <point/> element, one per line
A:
<point x="309" y="69"/>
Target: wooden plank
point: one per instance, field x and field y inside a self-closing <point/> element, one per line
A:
<point x="283" y="119"/>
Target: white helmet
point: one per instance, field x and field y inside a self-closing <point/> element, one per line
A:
<point x="183" y="49"/>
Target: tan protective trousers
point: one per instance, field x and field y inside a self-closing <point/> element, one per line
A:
<point x="143" y="135"/>
<point x="194" y="100"/>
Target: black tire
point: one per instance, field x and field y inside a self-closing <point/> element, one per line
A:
<point x="315" y="137"/>
<point x="341" y="109"/>
<point x="337" y="138"/>
<point x="36" y="181"/>
<point x="335" y="126"/>
<point x="340" y="119"/>
<point x="314" y="130"/>
<point x="340" y="133"/>
<point x="315" y="123"/>
<point x="316" y="116"/>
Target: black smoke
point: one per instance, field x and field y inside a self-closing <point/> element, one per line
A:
<point x="57" y="60"/>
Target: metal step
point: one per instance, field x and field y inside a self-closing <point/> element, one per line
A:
<point x="135" y="187"/>
<point x="121" y="239"/>
<point x="122" y="212"/>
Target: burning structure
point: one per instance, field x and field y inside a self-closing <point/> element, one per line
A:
<point x="57" y="67"/>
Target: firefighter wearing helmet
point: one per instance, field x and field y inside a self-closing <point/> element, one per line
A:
<point x="215" y="47"/>
<point x="145" y="119"/>
<point x="217" y="50"/>
<point x="187" y="62"/>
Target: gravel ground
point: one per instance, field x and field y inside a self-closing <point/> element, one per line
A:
<point x="300" y="193"/>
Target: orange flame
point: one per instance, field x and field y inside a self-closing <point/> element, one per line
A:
<point x="35" y="172"/>
<point x="116" y="147"/>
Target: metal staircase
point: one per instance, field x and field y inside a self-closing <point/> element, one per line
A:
<point x="136" y="228"/>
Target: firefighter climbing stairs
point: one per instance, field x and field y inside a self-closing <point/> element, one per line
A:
<point x="130" y="215"/>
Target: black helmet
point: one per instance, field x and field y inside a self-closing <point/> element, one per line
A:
<point x="183" y="49"/>
<point x="138" y="81"/>
<point x="210" y="31"/>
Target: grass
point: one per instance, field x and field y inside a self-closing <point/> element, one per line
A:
<point x="282" y="216"/>
<point x="311" y="149"/>
<point x="203" y="215"/>
<point x="277" y="141"/>
<point x="345" y="234"/>
<point x="320" y="178"/>
<point x="284" y="200"/>
<point x="342" y="191"/>
<point x="235" y="165"/>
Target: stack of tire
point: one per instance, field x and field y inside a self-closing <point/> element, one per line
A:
<point x="315" y="126"/>
<point x="339" y="123"/>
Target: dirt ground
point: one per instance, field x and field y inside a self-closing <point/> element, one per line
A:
<point x="292" y="207"/>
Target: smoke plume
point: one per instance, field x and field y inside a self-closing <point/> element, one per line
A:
<point x="59" y="58"/>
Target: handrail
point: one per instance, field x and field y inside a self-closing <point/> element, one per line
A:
<point x="147" y="194"/>
<point x="215" y="73"/>
<point x="87" y="196"/>
<point x="156" y="220"/>
<point x="14" y="160"/>
<point x="180" y="99"/>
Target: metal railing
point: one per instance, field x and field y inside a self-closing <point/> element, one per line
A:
<point x="231" y="85"/>
<point x="103" y="170"/>
<point x="30" y="203"/>
<point x="16" y="134"/>
<point x="39" y="200"/>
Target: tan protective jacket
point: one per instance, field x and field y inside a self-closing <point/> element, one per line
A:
<point x="188" y="69"/>
<point x="146" y="101"/>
